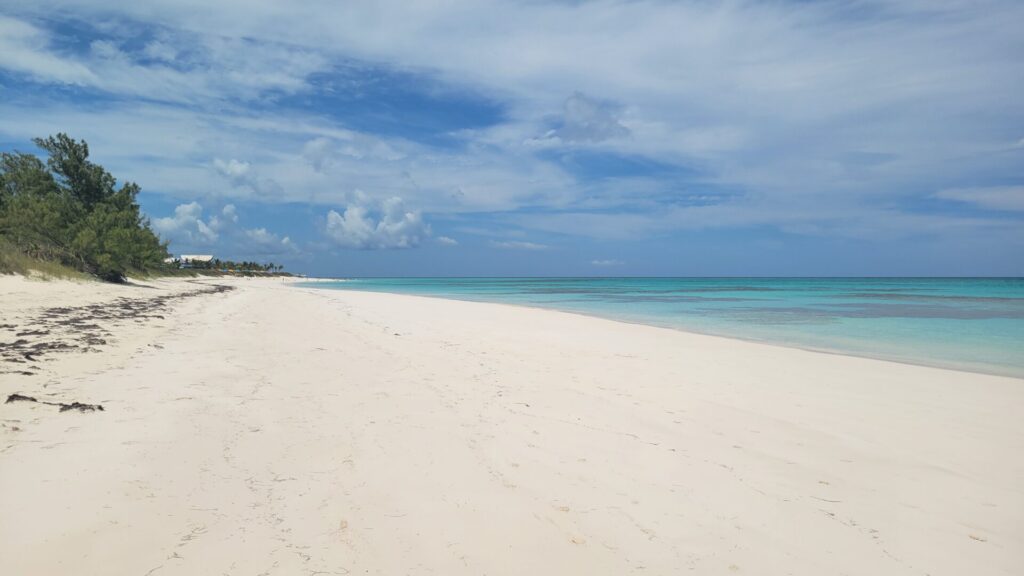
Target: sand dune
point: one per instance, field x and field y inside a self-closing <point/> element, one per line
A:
<point x="279" y="430"/>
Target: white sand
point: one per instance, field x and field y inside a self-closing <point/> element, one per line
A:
<point x="295" y="431"/>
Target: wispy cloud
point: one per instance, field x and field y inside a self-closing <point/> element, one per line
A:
<point x="24" y="48"/>
<point x="797" y="120"/>
<point x="217" y="68"/>
<point x="992" y="197"/>
<point x="518" y="245"/>
<point x="242" y="174"/>
<point x="585" y="120"/>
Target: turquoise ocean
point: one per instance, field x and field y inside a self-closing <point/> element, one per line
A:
<point x="974" y="324"/>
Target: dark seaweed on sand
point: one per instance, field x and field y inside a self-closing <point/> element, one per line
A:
<point x="81" y="328"/>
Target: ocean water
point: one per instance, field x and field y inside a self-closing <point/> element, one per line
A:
<point x="972" y="324"/>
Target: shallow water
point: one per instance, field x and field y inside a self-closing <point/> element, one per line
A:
<point x="965" y="323"/>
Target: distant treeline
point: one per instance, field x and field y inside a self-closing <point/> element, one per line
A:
<point x="69" y="210"/>
<point x="229" y="266"/>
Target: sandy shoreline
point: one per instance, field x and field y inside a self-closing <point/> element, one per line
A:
<point x="978" y="368"/>
<point x="282" y="430"/>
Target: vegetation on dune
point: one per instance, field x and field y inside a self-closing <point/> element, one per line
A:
<point x="14" y="261"/>
<point x="70" y="211"/>
<point x="67" y="214"/>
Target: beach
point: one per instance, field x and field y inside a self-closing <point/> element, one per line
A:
<point x="250" y="426"/>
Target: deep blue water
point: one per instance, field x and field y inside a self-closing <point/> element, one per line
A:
<point x="965" y="323"/>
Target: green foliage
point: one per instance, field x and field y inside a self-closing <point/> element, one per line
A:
<point x="70" y="211"/>
<point x="14" y="261"/>
<point x="86" y="182"/>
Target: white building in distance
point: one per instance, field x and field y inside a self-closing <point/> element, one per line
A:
<point x="189" y="258"/>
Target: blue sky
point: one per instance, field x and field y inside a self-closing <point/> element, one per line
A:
<point x="546" y="138"/>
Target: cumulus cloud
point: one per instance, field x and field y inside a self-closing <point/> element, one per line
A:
<point x="518" y="245"/>
<point x="446" y="241"/>
<point x="186" y="228"/>
<point x="369" y="225"/>
<point x="242" y="174"/>
<point x="235" y="170"/>
<point x="1010" y="198"/>
<point x="261" y="241"/>
<point x="228" y="215"/>
<point x="186" y="225"/>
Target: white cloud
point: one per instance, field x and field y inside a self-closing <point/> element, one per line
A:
<point x="753" y="96"/>
<point x="187" y="229"/>
<point x="160" y="146"/>
<point x="607" y="262"/>
<point x="446" y="241"/>
<point x="262" y="242"/>
<point x="369" y="225"/>
<point x="322" y="152"/>
<point x="162" y="51"/>
<point x="242" y="174"/>
<point x="235" y="170"/>
<point x="993" y="198"/>
<point x="585" y="119"/>
<point x="186" y="225"/>
<point x="24" y="48"/>
<point x="318" y="152"/>
<point x="229" y="213"/>
<point x="220" y="67"/>
<point x="518" y="245"/>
